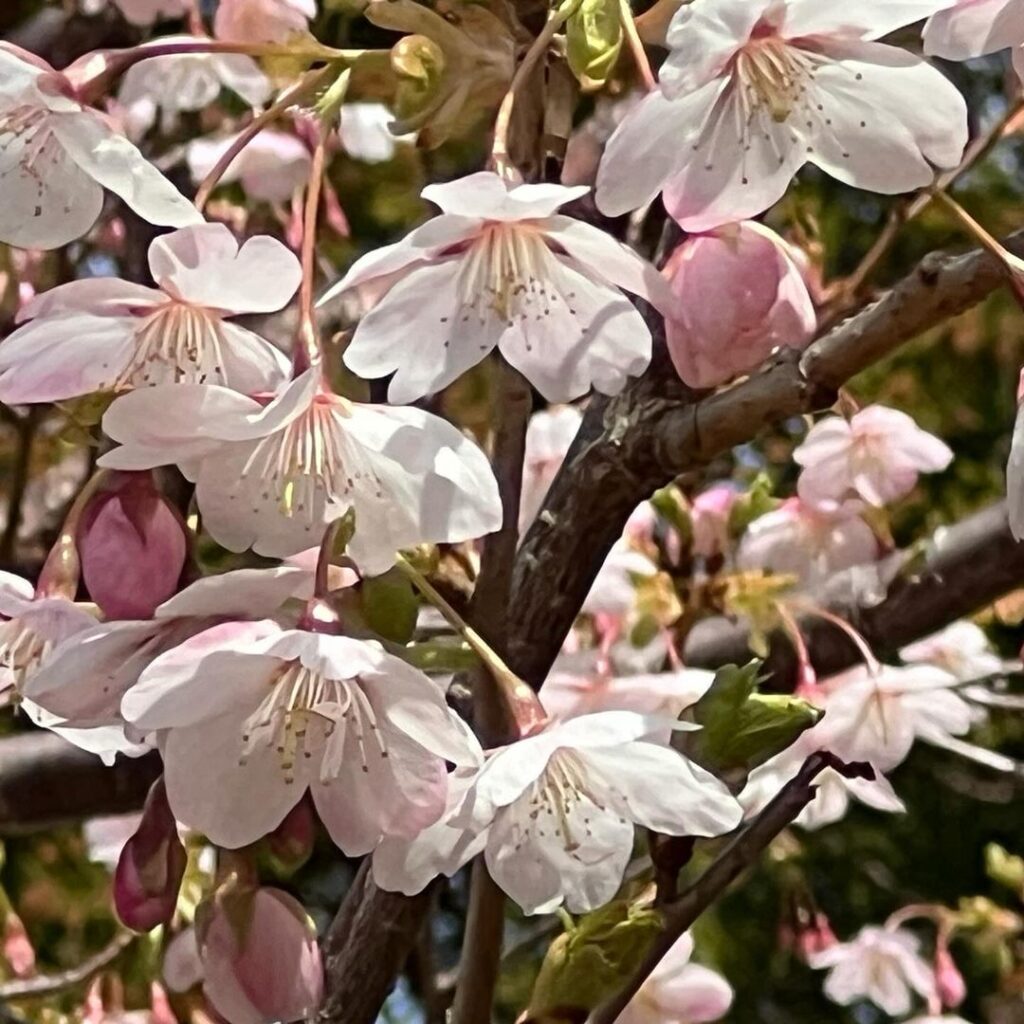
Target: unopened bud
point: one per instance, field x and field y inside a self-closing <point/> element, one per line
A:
<point x="151" y="866"/>
<point x="949" y="982"/>
<point x="132" y="543"/>
<point x="290" y="845"/>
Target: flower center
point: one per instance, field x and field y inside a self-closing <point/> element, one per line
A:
<point x="28" y="127"/>
<point x="311" y="463"/>
<point x="558" y="794"/>
<point x="176" y="344"/>
<point x="773" y="76"/>
<point x="300" y="716"/>
<point x="22" y="650"/>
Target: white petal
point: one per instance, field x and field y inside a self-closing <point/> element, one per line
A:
<point x="244" y="592"/>
<point x="867" y="19"/>
<point x="487" y="196"/>
<point x="104" y="296"/>
<point x="975" y="28"/>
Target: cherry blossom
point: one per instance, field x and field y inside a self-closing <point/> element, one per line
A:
<point x="962" y="649"/>
<point x="549" y="435"/>
<point x="262" y="21"/>
<point x="140" y="12"/>
<point x="554" y="813"/>
<point x="808" y="542"/>
<point x="191" y="81"/>
<point x="740" y="295"/>
<point x="272" y="473"/>
<point x="709" y="515"/>
<point x="260" y="958"/>
<point x="57" y="156"/>
<point x="105" y="334"/>
<point x="500" y="268"/>
<point x="679" y="992"/>
<point x="272" y="167"/>
<point x="973" y="28"/>
<point x="880" y="964"/>
<point x="876" y="456"/>
<point x="754" y="89"/>
<point x="250" y="708"/>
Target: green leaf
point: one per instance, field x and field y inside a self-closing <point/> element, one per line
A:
<point x="390" y="606"/>
<point x="742" y="728"/>
<point x="593" y="41"/>
<point x="756" y="502"/>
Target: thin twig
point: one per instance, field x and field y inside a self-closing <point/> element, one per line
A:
<point x="51" y="984"/>
<point x="739" y="855"/>
<point x="308" y="350"/>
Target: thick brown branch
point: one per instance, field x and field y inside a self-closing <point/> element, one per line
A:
<point x="739" y="855"/>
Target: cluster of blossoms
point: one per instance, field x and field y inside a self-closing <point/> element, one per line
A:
<point x="262" y="694"/>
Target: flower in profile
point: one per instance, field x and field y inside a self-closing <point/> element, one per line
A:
<point x="549" y="435"/>
<point x="271" y="168"/>
<point x="880" y="964"/>
<point x="262" y="21"/>
<point x="260" y="959"/>
<point x="973" y="28"/>
<point x="175" y="83"/>
<point x="105" y="334"/>
<point x="962" y="649"/>
<point x="710" y="512"/>
<point x="554" y="813"/>
<point x="679" y="992"/>
<point x="876" y="456"/>
<point x="271" y="473"/>
<point x="754" y="89"/>
<point x="740" y="294"/>
<point x="249" y="707"/>
<point x="57" y="155"/>
<point x="501" y="269"/>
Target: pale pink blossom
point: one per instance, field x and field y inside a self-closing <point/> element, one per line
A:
<point x="613" y="592"/>
<point x="105" y="334"/>
<point x="140" y="12"/>
<point x="549" y="435"/>
<point x="566" y="695"/>
<point x="679" y="992"/>
<point x="500" y="268"/>
<point x="883" y="965"/>
<point x="271" y="474"/>
<point x="973" y="28"/>
<point x="105" y="836"/>
<point x="809" y="543"/>
<point x="740" y="295"/>
<point x="261" y="961"/>
<point x="58" y="155"/>
<point x="271" y="168"/>
<point x="710" y="513"/>
<point x="875" y="456"/>
<point x="366" y="134"/>
<point x="962" y="649"/>
<point x="174" y="83"/>
<point x="249" y="716"/>
<point x="754" y="89"/>
<point x="554" y="814"/>
<point x="262" y="21"/>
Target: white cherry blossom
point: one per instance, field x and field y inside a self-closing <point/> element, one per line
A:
<point x="962" y="649"/>
<point x="973" y="28"/>
<point x="250" y="715"/>
<point x="272" y="167"/>
<point x="754" y="89"/>
<point x="500" y="268"/>
<point x="262" y="21"/>
<point x="876" y="456"/>
<point x="366" y="134"/>
<point x="105" y="334"/>
<point x="880" y="964"/>
<point x="272" y="473"/>
<point x="549" y="435"/>
<point x="554" y="814"/>
<point x="58" y="155"/>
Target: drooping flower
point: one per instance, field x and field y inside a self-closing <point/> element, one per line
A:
<point x="58" y="155"/>
<point x="174" y="83"/>
<point x="271" y="168"/>
<point x="754" y="89"/>
<point x="679" y="992"/>
<point x="875" y="456"/>
<point x="272" y="474"/>
<point x="501" y="269"/>
<point x="554" y="813"/>
<point x="262" y="21"/>
<point x="973" y="28"/>
<point x="962" y="649"/>
<point x="740" y="294"/>
<point x="260" y="958"/>
<point x="140" y="12"/>
<point x="808" y="542"/>
<point x="105" y="334"/>
<point x="250" y="708"/>
<point x="549" y="435"/>
<point x="879" y="964"/>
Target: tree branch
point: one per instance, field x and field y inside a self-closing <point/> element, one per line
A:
<point x="52" y="984"/>
<point x="739" y="855"/>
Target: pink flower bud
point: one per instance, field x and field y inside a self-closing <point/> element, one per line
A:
<point x="151" y="866"/>
<point x="261" y="960"/>
<point x="815" y="936"/>
<point x="949" y="982"/>
<point x="132" y="544"/>
<point x="710" y="517"/>
<point x="291" y="843"/>
<point x="741" y="294"/>
<point x="18" y="951"/>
